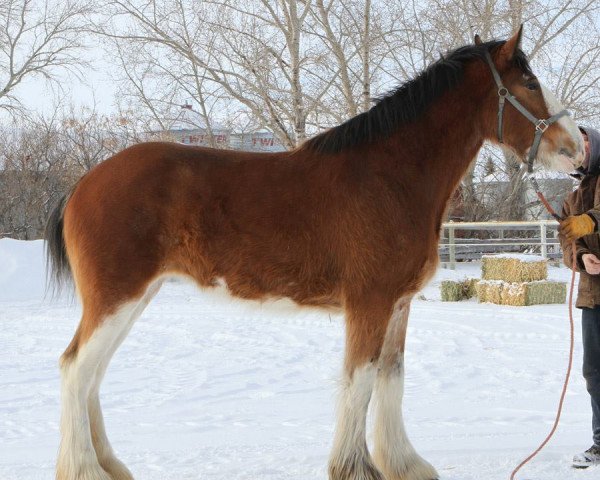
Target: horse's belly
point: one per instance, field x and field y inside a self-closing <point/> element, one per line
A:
<point x="289" y="299"/>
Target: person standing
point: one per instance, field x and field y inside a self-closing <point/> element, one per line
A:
<point x="581" y="212"/>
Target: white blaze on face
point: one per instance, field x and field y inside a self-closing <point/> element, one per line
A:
<point x="561" y="157"/>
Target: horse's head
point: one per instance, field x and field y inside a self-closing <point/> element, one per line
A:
<point x="531" y="115"/>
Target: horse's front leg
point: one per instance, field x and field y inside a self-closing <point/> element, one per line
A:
<point x="366" y="319"/>
<point x="394" y="455"/>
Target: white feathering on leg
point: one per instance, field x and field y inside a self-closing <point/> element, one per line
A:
<point x="350" y="457"/>
<point x="394" y="454"/>
<point x="77" y="459"/>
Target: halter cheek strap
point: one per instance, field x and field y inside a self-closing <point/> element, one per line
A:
<point x="541" y="125"/>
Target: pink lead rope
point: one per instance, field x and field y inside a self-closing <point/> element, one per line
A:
<point x="572" y="340"/>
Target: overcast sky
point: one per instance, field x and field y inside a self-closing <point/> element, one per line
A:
<point x="94" y="87"/>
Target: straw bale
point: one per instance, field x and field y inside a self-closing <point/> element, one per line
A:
<point x="522" y="293"/>
<point x="471" y="287"/>
<point x="514" y="294"/>
<point x="454" y="291"/>
<point x="490" y="291"/>
<point x="546" y="292"/>
<point x="514" y="268"/>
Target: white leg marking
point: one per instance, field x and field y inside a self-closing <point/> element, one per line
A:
<point x="394" y="455"/>
<point x="350" y="457"/>
<point x="81" y="413"/>
<point x="77" y="458"/>
<point x="104" y="451"/>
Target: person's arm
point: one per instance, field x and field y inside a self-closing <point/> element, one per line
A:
<point x="577" y="226"/>
<point x="594" y="213"/>
<point x="567" y="244"/>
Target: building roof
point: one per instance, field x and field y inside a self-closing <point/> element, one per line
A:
<point x="190" y="119"/>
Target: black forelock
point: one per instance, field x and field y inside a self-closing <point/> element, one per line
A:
<point x="407" y="102"/>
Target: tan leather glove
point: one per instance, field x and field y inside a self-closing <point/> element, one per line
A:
<point x="577" y="226"/>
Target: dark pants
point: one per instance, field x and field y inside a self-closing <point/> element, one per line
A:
<point x="590" y="324"/>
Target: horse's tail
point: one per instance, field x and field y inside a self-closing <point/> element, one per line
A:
<point x="58" y="269"/>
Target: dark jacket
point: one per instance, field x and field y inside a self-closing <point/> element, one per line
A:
<point x="594" y="139"/>
<point x="586" y="199"/>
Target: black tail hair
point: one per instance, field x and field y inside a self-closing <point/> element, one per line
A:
<point x="58" y="270"/>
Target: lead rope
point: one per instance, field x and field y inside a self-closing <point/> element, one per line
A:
<point x="572" y="341"/>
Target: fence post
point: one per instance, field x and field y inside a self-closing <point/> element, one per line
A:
<point x="451" y="248"/>
<point x="543" y="240"/>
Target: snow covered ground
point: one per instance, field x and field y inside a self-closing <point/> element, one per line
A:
<point x="206" y="390"/>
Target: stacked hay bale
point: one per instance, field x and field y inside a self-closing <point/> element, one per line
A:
<point x="454" y="291"/>
<point x="516" y="279"/>
<point x="514" y="267"/>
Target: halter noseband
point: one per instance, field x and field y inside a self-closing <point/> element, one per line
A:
<point x="541" y="125"/>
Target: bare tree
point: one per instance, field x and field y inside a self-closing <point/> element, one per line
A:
<point x="32" y="172"/>
<point x="162" y="64"/>
<point x="357" y="36"/>
<point x="272" y="60"/>
<point x="38" y="38"/>
<point x="337" y="24"/>
<point x="221" y="52"/>
<point x="262" y="52"/>
<point x="42" y="157"/>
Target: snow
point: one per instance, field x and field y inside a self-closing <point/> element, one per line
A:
<point x="208" y="390"/>
<point x="522" y="257"/>
<point x="22" y="272"/>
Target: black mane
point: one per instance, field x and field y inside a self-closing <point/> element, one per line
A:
<point x="407" y="102"/>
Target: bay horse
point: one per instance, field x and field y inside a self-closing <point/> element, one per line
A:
<point x="349" y="220"/>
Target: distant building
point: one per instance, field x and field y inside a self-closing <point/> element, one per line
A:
<point x="190" y="128"/>
<point x="261" y="140"/>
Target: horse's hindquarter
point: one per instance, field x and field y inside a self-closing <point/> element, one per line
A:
<point x="116" y="224"/>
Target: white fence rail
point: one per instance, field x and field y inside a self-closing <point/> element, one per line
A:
<point x="462" y="241"/>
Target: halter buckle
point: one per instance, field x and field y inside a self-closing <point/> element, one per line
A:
<point x="502" y="92"/>
<point x="541" y="125"/>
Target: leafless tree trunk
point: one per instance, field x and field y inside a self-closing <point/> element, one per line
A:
<point x="345" y="30"/>
<point x="334" y="42"/>
<point x="366" y="54"/>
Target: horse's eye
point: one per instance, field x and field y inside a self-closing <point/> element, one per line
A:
<point x="533" y="85"/>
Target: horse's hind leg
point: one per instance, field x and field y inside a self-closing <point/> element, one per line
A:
<point x="77" y="458"/>
<point x="106" y="457"/>
<point x="366" y="321"/>
<point x="85" y="453"/>
<point x="394" y="455"/>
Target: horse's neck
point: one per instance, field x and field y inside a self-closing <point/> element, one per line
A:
<point x="440" y="146"/>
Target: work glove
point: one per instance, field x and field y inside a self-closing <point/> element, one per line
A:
<point x="577" y="226"/>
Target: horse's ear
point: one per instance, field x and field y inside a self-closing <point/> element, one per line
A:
<point x="512" y="44"/>
<point x="478" y="39"/>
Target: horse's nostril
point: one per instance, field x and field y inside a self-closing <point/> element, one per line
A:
<point x="566" y="152"/>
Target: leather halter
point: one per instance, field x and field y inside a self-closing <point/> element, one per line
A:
<point x="541" y="125"/>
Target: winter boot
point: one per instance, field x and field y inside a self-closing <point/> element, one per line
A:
<point x="588" y="458"/>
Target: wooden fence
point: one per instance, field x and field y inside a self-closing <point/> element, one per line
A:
<point x="463" y="241"/>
